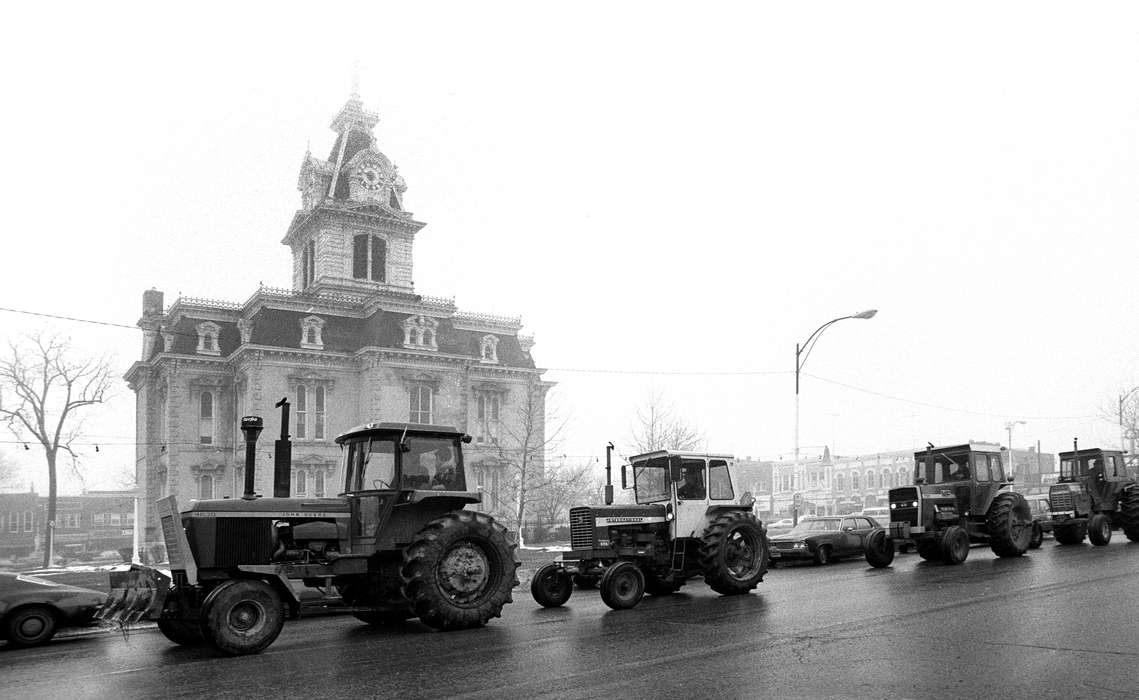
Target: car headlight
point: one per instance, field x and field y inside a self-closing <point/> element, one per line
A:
<point x="800" y="545"/>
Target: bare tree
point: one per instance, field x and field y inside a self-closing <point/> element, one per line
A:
<point x="43" y="389"/>
<point x="7" y="471"/>
<point x="567" y="485"/>
<point x="1123" y="411"/>
<point x="524" y="449"/>
<point x="660" y="428"/>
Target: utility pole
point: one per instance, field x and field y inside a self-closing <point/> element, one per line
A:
<point x="1011" y="461"/>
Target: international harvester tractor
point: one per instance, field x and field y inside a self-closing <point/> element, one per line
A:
<point x="687" y="521"/>
<point x="960" y="496"/>
<point x="1094" y="495"/>
<point x="397" y="543"/>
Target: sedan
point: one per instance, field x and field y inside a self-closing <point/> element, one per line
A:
<point x="823" y="539"/>
<point x="33" y="608"/>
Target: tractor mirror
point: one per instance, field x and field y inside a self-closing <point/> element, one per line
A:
<point x="675" y="473"/>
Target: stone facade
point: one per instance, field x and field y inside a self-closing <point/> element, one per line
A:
<point x="350" y="343"/>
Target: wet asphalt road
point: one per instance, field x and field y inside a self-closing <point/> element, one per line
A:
<point x="1061" y="622"/>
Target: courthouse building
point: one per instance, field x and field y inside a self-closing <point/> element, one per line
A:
<point x="350" y="342"/>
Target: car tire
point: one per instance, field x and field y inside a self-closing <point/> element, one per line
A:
<point x="551" y="586"/>
<point x="879" y="549"/>
<point x="1099" y="530"/>
<point x="955" y="545"/>
<point x="30" y="626"/>
<point x="823" y="555"/>
<point x="622" y="585"/>
<point x="1037" y="536"/>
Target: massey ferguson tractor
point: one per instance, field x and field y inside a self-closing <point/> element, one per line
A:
<point x="960" y="496"/>
<point x="687" y="521"/>
<point x="396" y="544"/>
<point x="1093" y="496"/>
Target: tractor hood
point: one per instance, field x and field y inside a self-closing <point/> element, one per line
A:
<point x="627" y="514"/>
<point x="268" y="508"/>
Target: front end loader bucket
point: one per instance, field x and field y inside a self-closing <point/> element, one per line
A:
<point x="137" y="593"/>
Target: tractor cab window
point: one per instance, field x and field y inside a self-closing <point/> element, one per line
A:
<point x="650" y="480"/>
<point x="692" y="484"/>
<point x="981" y="468"/>
<point x="943" y="468"/>
<point x="371" y="465"/>
<point x="432" y="463"/>
<point x="719" y="480"/>
<point x="1067" y="469"/>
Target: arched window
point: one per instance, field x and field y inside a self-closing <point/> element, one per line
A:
<point x="870" y="480"/>
<point x="422" y="403"/>
<point x="27" y="521"/>
<point x="206" y="418"/>
<point x="318" y="483"/>
<point x="369" y="257"/>
<point x="839" y="482"/>
<point x="308" y="263"/>
<point x="318" y="413"/>
<point x="300" y="483"/>
<point x="854" y="481"/>
<point x="205" y="486"/>
<point x="302" y="413"/>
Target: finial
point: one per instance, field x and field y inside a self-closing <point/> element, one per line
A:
<point x="356" y="79"/>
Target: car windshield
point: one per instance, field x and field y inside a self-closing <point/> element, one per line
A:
<point x="650" y="480"/>
<point x="812" y="526"/>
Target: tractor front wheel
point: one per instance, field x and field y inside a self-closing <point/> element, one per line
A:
<point x="622" y="585"/>
<point x="879" y="549"/>
<point x="459" y="571"/>
<point x="242" y="616"/>
<point x="1009" y="522"/>
<point x="955" y="545"/>
<point x="1070" y="534"/>
<point x="1099" y="530"/>
<point x="733" y="553"/>
<point x="1129" y="513"/>
<point x="929" y="550"/>
<point x="551" y="586"/>
<point x="1037" y="538"/>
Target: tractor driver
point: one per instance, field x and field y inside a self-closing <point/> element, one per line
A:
<point x="693" y="486"/>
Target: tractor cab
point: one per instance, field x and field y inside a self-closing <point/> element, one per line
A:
<point x="972" y="474"/>
<point x="689" y="484"/>
<point x="1096" y="464"/>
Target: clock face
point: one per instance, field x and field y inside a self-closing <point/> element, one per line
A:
<point x="370" y="177"/>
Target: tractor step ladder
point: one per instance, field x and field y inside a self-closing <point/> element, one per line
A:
<point x="677" y="555"/>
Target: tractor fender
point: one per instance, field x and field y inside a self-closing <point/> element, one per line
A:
<point x="272" y="575"/>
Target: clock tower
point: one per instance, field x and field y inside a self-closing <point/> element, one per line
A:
<point x="352" y="233"/>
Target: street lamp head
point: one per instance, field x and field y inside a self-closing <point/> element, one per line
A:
<point x="869" y="313"/>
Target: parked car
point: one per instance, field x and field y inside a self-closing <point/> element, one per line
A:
<point x="776" y="527"/>
<point x="33" y="608"/>
<point x="1041" y="518"/>
<point x="823" y="539"/>
<point x="879" y="513"/>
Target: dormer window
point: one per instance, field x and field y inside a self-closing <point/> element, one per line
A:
<point x="488" y="348"/>
<point x="312" y="328"/>
<point x="420" y="332"/>
<point x="208" y="338"/>
<point x="369" y="258"/>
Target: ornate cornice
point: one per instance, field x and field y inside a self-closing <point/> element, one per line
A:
<point x="371" y="214"/>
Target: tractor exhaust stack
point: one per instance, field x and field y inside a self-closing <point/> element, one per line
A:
<point x="283" y="455"/>
<point x="251" y="426"/>
<point x="609" y="474"/>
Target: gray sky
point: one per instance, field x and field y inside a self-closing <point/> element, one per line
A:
<point x="649" y="185"/>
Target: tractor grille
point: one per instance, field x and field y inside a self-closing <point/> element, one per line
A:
<point x="581" y="528"/>
<point x="901" y="505"/>
<point x="243" y="541"/>
<point x="1061" y="498"/>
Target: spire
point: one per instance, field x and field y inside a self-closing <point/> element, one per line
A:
<point x="355" y="80"/>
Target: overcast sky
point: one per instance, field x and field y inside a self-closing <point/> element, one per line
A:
<point x="653" y="187"/>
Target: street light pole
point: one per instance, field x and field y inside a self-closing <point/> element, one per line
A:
<point x="1011" y="460"/>
<point x="802" y="352"/>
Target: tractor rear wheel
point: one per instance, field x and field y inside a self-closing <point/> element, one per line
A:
<point x="1099" y="530"/>
<point x="733" y="553"/>
<point x="879" y="549"/>
<point x="187" y="634"/>
<point x="1037" y="538"/>
<point x="1009" y="522"/>
<point x="1129" y="513"/>
<point x="622" y="585"/>
<point x="242" y="616"/>
<point x="551" y="586"/>
<point x="955" y="545"/>
<point x="1070" y="534"/>
<point x="459" y="571"/>
<point x="929" y="550"/>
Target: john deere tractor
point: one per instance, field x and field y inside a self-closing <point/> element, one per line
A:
<point x="960" y="496"/>
<point x="687" y="521"/>
<point x="1094" y="495"/>
<point x="397" y="543"/>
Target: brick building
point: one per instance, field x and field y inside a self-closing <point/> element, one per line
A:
<point x="350" y="342"/>
<point x="21" y="524"/>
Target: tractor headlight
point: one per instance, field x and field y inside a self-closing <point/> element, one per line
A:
<point x="893" y="506"/>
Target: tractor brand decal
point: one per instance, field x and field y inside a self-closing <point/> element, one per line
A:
<point x="264" y="514"/>
<point x="629" y="520"/>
